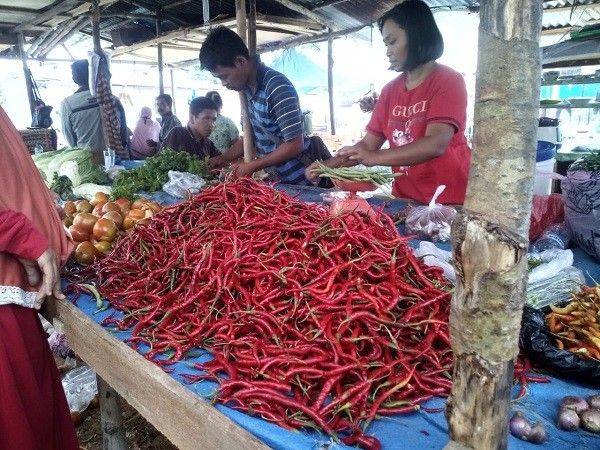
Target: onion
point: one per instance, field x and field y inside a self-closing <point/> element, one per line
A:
<point x="594" y="401"/>
<point x="577" y="404"/>
<point x="105" y="230"/>
<point x="590" y="420"/>
<point x="538" y="434"/>
<point x="568" y="420"/>
<point x="519" y="427"/>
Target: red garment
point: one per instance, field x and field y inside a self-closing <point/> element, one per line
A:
<point x="402" y="116"/>
<point x="18" y="237"/>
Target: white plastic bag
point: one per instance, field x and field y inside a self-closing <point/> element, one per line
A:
<point x="182" y="184"/>
<point x="555" y="289"/>
<point x="553" y="262"/>
<point x="434" y="256"/>
<point x="80" y="388"/>
<point x="432" y="221"/>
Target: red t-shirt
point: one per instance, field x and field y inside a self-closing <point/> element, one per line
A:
<point x="402" y="116"/>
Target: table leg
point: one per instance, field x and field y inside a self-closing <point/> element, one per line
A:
<point x="111" y="419"/>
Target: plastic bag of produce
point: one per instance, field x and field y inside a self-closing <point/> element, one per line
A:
<point x="432" y="221"/>
<point x="546" y="210"/>
<point x="183" y="184"/>
<point x="555" y="289"/>
<point x="80" y="388"/>
<point x="539" y="345"/>
<point x="434" y="256"/>
<point x="582" y="208"/>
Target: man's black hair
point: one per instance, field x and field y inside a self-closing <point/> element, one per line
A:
<point x="425" y="42"/>
<point x="215" y="97"/>
<point x="80" y="71"/>
<point x="220" y="48"/>
<point x="167" y="98"/>
<point x="200" y="104"/>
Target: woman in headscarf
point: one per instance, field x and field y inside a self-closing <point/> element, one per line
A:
<point x="33" y="410"/>
<point x="145" y="130"/>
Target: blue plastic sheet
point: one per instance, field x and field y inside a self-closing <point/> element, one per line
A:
<point x="420" y="430"/>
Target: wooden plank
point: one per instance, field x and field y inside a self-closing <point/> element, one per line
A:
<point x="307" y="13"/>
<point x="182" y="32"/>
<point x="56" y="10"/>
<point x="299" y="40"/>
<point x="187" y="420"/>
<point x="68" y="30"/>
<point x="327" y="3"/>
<point x="297" y="24"/>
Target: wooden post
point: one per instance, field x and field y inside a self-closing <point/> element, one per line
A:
<point x="96" y="27"/>
<point x="206" y="11"/>
<point x="330" y="84"/>
<point x="240" y="15"/>
<point x="252" y="27"/>
<point x="173" y="90"/>
<point x="161" y="83"/>
<point x="26" y="73"/>
<point x="489" y="237"/>
<point x="111" y="418"/>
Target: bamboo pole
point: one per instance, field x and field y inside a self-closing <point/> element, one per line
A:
<point x="240" y="15"/>
<point x="489" y="236"/>
<point x="26" y="73"/>
<point x="330" y="84"/>
<point x="161" y="82"/>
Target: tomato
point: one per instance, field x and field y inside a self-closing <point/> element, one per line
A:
<point x="111" y="206"/>
<point x="68" y="221"/>
<point x="70" y="208"/>
<point x="85" y="253"/>
<point x="78" y="234"/>
<point x="103" y="246"/>
<point x="84" y="206"/>
<point x="155" y="207"/>
<point x="100" y="198"/>
<point x="136" y="214"/>
<point x="98" y="210"/>
<point x="128" y="223"/>
<point x="139" y="203"/>
<point x="105" y="230"/>
<point x="85" y="221"/>
<point x="124" y="204"/>
<point x="115" y="217"/>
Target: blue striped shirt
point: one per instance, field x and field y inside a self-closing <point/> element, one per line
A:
<point x="276" y="117"/>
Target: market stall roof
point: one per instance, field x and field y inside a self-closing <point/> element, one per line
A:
<point x="572" y="53"/>
<point x="563" y="16"/>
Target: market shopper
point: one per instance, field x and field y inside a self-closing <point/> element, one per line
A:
<point x="167" y="121"/>
<point x="225" y="133"/>
<point x="146" y="129"/>
<point x="193" y="138"/>
<point x="80" y="115"/>
<point x="33" y="410"/>
<point x="421" y="113"/>
<point x="274" y="109"/>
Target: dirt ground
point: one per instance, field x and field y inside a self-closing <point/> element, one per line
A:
<point x="140" y="435"/>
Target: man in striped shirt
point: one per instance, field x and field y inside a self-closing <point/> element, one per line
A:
<point x="274" y="109"/>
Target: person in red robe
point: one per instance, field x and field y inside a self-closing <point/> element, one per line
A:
<point x="33" y="410"/>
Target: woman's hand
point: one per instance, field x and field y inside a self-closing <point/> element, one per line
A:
<point x="48" y="265"/>
<point x="359" y="154"/>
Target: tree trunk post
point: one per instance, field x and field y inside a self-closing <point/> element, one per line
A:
<point x="330" y="84"/>
<point x="241" y="17"/>
<point x="489" y="237"/>
<point x="111" y="418"/>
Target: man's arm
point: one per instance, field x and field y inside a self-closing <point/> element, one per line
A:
<point x="67" y="129"/>
<point x="233" y="153"/>
<point x="285" y="152"/>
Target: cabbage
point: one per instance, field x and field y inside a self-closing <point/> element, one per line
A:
<point x="74" y="163"/>
<point x="88" y="190"/>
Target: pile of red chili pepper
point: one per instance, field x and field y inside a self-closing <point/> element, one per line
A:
<point x="314" y="320"/>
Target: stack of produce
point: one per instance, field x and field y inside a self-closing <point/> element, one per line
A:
<point x="154" y="173"/>
<point x="576" y="326"/>
<point x="74" y="163"/>
<point x="316" y="320"/>
<point x="377" y="177"/>
<point x="96" y="225"/>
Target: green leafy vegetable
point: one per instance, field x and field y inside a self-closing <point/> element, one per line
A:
<point x="154" y="173"/>
<point x="63" y="186"/>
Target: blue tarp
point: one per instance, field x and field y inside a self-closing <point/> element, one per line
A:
<point x="417" y="431"/>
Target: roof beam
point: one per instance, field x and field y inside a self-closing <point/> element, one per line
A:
<point x="51" y="13"/>
<point x="62" y="36"/>
<point x="183" y="32"/>
<point x="307" y="13"/>
<point x="327" y="3"/>
<point x="28" y="13"/>
<point x="300" y="24"/>
<point x="150" y="7"/>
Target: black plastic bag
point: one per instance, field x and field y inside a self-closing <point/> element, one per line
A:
<point x="540" y="346"/>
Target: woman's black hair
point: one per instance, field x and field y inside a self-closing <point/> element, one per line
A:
<point x="200" y="104"/>
<point x="425" y="42"/>
<point x="215" y="97"/>
<point x="220" y="48"/>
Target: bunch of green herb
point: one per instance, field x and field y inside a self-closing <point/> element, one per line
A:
<point x="63" y="186"/>
<point x="154" y="173"/>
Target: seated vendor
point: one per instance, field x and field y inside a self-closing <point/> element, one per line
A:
<point x="421" y="113"/>
<point x="194" y="137"/>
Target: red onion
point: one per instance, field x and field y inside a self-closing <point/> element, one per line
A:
<point x="538" y="434"/>
<point x="520" y="427"/>
<point x="568" y="420"/>
<point x="577" y="404"/>
<point x="590" y="420"/>
<point x="594" y="401"/>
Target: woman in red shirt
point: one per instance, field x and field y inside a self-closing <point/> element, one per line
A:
<point x="422" y="113"/>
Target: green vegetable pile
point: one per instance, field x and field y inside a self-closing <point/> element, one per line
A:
<point x="377" y="177"/>
<point x="74" y="163"/>
<point x="154" y="173"/>
<point x="63" y="186"/>
<point x="589" y="162"/>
